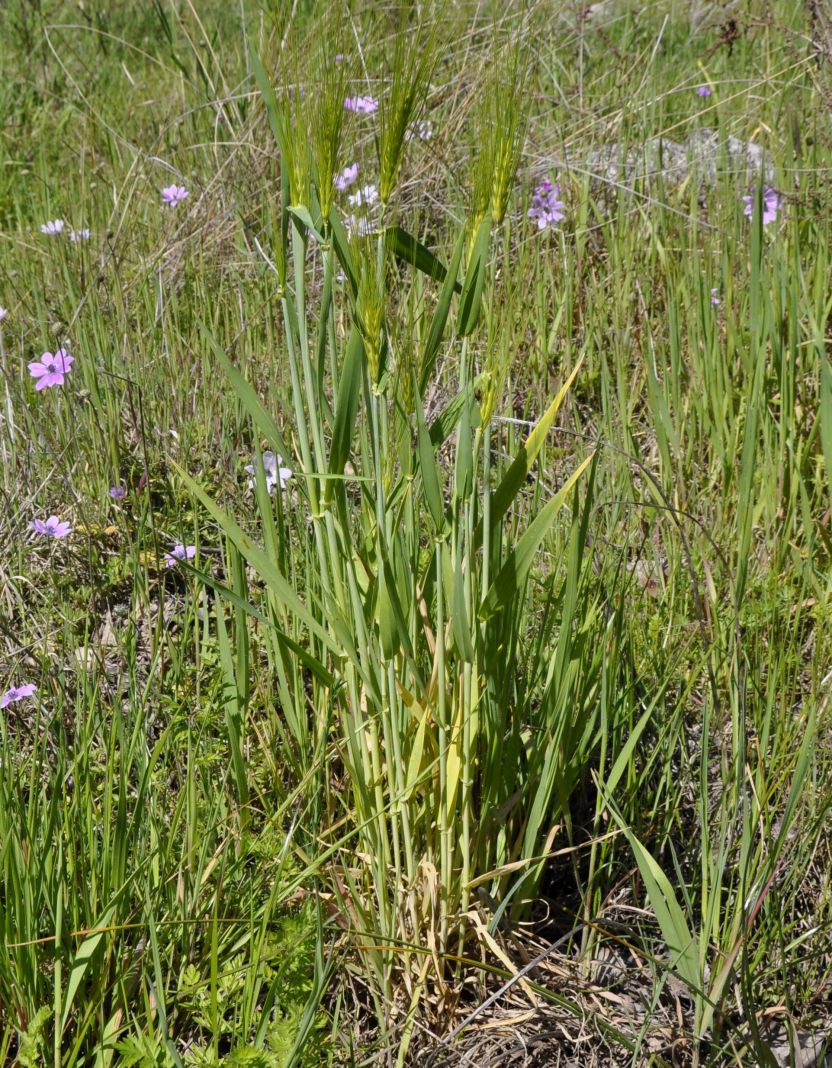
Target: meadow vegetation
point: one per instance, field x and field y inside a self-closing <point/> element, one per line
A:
<point x="414" y="560"/>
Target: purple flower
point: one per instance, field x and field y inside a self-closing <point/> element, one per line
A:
<point x="52" y="527"/>
<point x="346" y="177"/>
<point x="178" y="553"/>
<point x="51" y="369"/>
<point x="771" y="205"/>
<point x="17" y="693"/>
<point x="118" y="493"/>
<point x="52" y="227"/>
<point x="546" y="207"/>
<point x="172" y="194"/>
<point x="704" y="90"/>
<point x="79" y="235"/>
<point x="715" y="297"/>
<point x="363" y="105"/>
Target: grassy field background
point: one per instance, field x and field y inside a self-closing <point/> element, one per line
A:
<point x="495" y="729"/>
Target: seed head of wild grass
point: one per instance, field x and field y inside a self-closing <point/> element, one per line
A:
<point x="327" y="111"/>
<point x="414" y="56"/>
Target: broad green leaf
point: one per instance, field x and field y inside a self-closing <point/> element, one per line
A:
<point x="414" y="763"/>
<point x="388" y="632"/>
<point x="440" y="315"/>
<point x="514" y="572"/>
<point x="394" y="594"/>
<point x="83" y="961"/>
<point x="273" y="110"/>
<point x="430" y="474"/>
<point x="341" y="244"/>
<point x="346" y="407"/>
<point x="675" y="931"/>
<point x="411" y="250"/>
<point x="627" y="750"/>
<point x="453" y="763"/>
<point x="522" y="464"/>
<point x="464" y="465"/>
<point x="674" y="927"/>
<point x="302" y="215"/>
<point x="460" y="623"/>
<point x="471" y="299"/>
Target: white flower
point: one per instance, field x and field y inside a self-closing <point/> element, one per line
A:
<point x="79" y="235"/>
<point x="358" y="224"/>
<point x="273" y="469"/>
<point x="420" y="131"/>
<point x="3" y="314"/>
<point x="366" y="196"/>
<point x="52" y="227"/>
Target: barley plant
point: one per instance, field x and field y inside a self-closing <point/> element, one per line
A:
<point x="416" y="435"/>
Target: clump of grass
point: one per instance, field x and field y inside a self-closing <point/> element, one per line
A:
<point x="536" y="625"/>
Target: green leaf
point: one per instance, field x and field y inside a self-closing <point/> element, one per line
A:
<point x="305" y="657"/>
<point x="267" y="569"/>
<point x="675" y="931"/>
<point x="460" y="623"/>
<point x="341" y="244"/>
<point x="83" y="961"/>
<point x="523" y="462"/>
<point x="250" y="401"/>
<point x="825" y="409"/>
<point x="443" y="425"/>
<point x="346" y="407"/>
<point x="440" y="315"/>
<point x="514" y="572"/>
<point x="273" y="110"/>
<point x="388" y="632"/>
<point x="471" y="299"/>
<point x="232" y="708"/>
<point x="430" y="474"/>
<point x="305" y="219"/>
<point x="464" y="465"/>
<point x="412" y="251"/>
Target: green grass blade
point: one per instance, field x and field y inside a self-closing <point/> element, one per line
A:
<point x="515" y="570"/>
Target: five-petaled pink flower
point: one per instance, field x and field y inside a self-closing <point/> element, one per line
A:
<point x="51" y="527"/>
<point x="51" y="369"/>
<point x="179" y="553"/>
<point x="17" y="693"/>
<point x="363" y="105"/>
<point x="172" y="194"/>
<point x="771" y="204"/>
